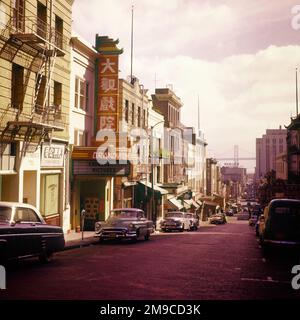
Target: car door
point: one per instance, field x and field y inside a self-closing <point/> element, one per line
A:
<point x="26" y="222"/>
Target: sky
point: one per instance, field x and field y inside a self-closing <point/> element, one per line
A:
<point x="238" y="56"/>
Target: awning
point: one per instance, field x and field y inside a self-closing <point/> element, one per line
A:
<point x="129" y="184"/>
<point x="175" y="204"/>
<point x="193" y="203"/>
<point x="186" y="204"/>
<point x="156" y="187"/>
<point x="210" y="203"/>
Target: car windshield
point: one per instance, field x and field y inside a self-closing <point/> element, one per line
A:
<point x="174" y="215"/>
<point x="5" y="214"/>
<point x="125" y="214"/>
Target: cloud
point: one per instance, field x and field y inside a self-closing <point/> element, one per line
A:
<point x="238" y="56"/>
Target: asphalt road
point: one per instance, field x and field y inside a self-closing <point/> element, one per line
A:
<point x="216" y="262"/>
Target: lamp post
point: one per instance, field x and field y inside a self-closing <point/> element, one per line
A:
<point x="153" y="216"/>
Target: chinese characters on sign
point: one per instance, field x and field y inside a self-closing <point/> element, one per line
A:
<point x="108" y="93"/>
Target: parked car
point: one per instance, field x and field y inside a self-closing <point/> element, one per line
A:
<point x="280" y="225"/>
<point x="253" y="219"/>
<point x="229" y="213"/>
<point x="218" y="218"/>
<point x="24" y="233"/>
<point x="175" y="221"/>
<point x="194" y="220"/>
<point x="125" y="223"/>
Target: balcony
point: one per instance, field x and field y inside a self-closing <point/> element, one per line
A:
<point x="18" y="124"/>
<point x="33" y="36"/>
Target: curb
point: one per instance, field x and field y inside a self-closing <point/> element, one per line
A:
<point x="80" y="245"/>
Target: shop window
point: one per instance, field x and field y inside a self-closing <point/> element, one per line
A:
<point x="50" y="194"/>
<point x="17" y="86"/>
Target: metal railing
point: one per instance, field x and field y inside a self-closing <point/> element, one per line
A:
<point x="36" y="26"/>
<point x="51" y="116"/>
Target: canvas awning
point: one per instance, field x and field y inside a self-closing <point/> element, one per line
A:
<point x="210" y="203"/>
<point x="175" y="204"/>
<point x="156" y="187"/>
<point x="193" y="203"/>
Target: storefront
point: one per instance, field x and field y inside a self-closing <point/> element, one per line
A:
<point x="94" y="187"/>
<point x="52" y="186"/>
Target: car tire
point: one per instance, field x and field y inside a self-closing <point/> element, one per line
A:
<point x="46" y="257"/>
<point x="101" y="240"/>
<point x="147" y="236"/>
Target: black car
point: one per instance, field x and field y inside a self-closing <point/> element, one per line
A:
<point x="280" y="225"/>
<point x="24" y="233"/>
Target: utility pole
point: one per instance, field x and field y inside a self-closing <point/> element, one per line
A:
<point x="297" y="92"/>
<point x="153" y="211"/>
<point x="131" y="53"/>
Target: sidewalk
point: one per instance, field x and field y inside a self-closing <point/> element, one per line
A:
<point x="74" y="240"/>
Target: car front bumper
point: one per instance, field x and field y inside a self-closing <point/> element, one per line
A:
<point x="109" y="234"/>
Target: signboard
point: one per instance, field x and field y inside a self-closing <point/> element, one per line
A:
<point x="92" y="167"/>
<point x="52" y="155"/>
<point x="108" y="88"/>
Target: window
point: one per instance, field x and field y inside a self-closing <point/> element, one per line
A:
<point x="81" y="94"/>
<point x="145" y="118"/>
<point x="40" y="91"/>
<point x="19" y="14"/>
<point x="13" y="149"/>
<point x="57" y="99"/>
<point x="139" y="116"/>
<point x="41" y="20"/>
<point x="59" y="28"/>
<point x="132" y="114"/>
<point x="126" y="110"/>
<point x="25" y="215"/>
<point x="80" y="138"/>
<point x="17" y="86"/>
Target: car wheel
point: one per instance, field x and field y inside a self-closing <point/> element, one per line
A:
<point x="101" y="240"/>
<point x="45" y="257"/>
<point x="147" y="236"/>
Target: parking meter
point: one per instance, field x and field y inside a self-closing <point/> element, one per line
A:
<point x="82" y="214"/>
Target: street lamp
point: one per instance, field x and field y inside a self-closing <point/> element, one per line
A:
<point x="152" y="174"/>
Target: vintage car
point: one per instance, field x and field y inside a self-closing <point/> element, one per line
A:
<point x="218" y="218"/>
<point x="279" y="226"/>
<point x="24" y="233"/>
<point x="126" y="223"/>
<point x="175" y="221"/>
<point x="194" y="220"/>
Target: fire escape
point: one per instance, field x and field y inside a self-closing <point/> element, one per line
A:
<point x="34" y="42"/>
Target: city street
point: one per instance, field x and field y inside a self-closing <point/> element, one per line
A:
<point x="216" y="262"/>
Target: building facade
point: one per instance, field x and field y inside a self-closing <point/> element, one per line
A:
<point x="268" y="148"/>
<point x="34" y="103"/>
